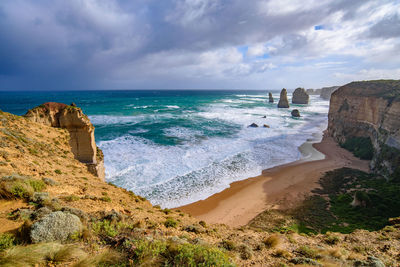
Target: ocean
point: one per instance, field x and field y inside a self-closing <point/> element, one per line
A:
<point x="176" y="147"/>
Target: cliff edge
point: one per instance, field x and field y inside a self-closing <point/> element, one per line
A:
<point x="80" y="128"/>
<point x="369" y="109"/>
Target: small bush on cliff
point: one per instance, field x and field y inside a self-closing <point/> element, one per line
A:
<point x="16" y="186"/>
<point x="6" y="241"/>
<point x="360" y="146"/>
<point x="170" y="222"/>
<point x="161" y="253"/>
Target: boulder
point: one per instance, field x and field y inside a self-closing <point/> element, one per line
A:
<point x="80" y="213"/>
<point x="271" y="99"/>
<point x="303" y="260"/>
<point x="266" y="126"/>
<point x="253" y="125"/>
<point x="56" y="226"/>
<point x="300" y="96"/>
<point x="283" y="101"/>
<point x="295" y="113"/>
<point x="40" y="197"/>
<point x="40" y="213"/>
<point x="371" y="262"/>
<point x="197" y="229"/>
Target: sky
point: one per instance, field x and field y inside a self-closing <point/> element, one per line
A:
<point x="196" y="44"/>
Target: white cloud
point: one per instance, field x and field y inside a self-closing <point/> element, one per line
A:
<point x="370" y="74"/>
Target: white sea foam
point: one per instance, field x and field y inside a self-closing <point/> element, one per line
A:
<point x="176" y="175"/>
<point x="172" y="106"/>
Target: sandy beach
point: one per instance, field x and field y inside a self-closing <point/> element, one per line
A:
<point x="279" y="187"/>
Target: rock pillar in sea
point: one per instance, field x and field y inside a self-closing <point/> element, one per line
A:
<point x="283" y="101"/>
<point x="271" y="99"/>
<point x="300" y="96"/>
<point x="80" y="129"/>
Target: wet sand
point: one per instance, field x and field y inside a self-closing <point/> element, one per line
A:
<point x="279" y="187"/>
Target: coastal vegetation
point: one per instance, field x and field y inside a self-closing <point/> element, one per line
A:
<point x="360" y="146"/>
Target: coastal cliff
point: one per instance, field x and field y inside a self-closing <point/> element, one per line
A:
<point x="369" y="109"/>
<point x="80" y="128"/>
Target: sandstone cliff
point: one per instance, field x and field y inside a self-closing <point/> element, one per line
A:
<point x="369" y="109"/>
<point x="300" y="96"/>
<point x="80" y="128"/>
<point x="283" y="101"/>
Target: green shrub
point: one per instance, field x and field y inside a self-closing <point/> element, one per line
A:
<point x="106" y="228"/>
<point x="72" y="198"/>
<point x="360" y="146"/>
<point x="37" y="185"/>
<point x="245" y="252"/>
<point x="146" y="251"/>
<point x="16" y="186"/>
<point x="167" y="211"/>
<point x="308" y="252"/>
<point x="196" y="255"/>
<point x="6" y="241"/>
<point x="105" y="199"/>
<point x="58" y="171"/>
<point x="331" y="239"/>
<point x="228" y="244"/>
<point x="203" y="223"/>
<point x="170" y="222"/>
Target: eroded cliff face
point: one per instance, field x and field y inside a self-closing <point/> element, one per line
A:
<point x="369" y="109"/>
<point x="80" y="128"/>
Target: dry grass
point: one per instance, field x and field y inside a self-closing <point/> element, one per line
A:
<point x="105" y="258"/>
<point x="39" y="254"/>
<point x="272" y="241"/>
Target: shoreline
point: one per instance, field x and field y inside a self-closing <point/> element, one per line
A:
<point x="280" y="187"/>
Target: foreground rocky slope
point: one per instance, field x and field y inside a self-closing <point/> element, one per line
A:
<point x="368" y="112"/>
<point x="54" y="212"/>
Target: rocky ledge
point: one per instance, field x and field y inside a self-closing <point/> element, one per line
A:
<point x="371" y="110"/>
<point x="80" y="129"/>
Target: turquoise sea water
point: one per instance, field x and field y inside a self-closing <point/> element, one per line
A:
<point x="177" y="147"/>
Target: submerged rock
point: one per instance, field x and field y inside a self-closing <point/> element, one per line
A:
<point x="253" y="125"/>
<point x="56" y="226"/>
<point x="295" y="113"/>
<point x="283" y="101"/>
<point x="266" y="126"/>
<point x="300" y="96"/>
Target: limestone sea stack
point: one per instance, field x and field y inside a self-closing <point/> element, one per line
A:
<point x="300" y="96"/>
<point x="369" y="109"/>
<point x="80" y="128"/>
<point x="271" y="99"/>
<point x="326" y="92"/>
<point x="283" y="101"/>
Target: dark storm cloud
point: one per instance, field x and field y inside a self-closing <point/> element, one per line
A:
<point x="88" y="44"/>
